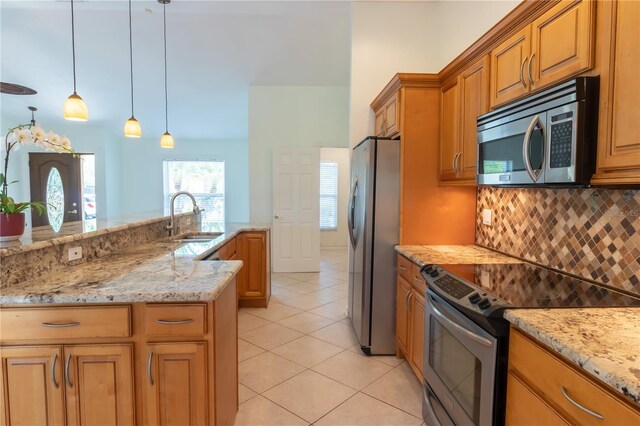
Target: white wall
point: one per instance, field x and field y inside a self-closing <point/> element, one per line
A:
<point x="339" y="237"/>
<point x="142" y="172"/>
<point x="422" y="37"/>
<point x="281" y="116"/>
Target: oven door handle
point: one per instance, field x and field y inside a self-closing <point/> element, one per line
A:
<point x="526" y="155"/>
<point x="473" y="336"/>
<point x="432" y="411"/>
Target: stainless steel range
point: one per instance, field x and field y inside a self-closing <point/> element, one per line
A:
<point x="466" y="337"/>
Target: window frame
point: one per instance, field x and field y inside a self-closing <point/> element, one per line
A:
<point x="335" y="196"/>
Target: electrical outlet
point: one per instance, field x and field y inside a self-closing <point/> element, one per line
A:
<point x="75" y="253"/>
<point x="188" y="221"/>
<point x="487" y="216"/>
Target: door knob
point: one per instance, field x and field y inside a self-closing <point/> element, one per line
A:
<point x="74" y="211"/>
<point x="276" y="216"/>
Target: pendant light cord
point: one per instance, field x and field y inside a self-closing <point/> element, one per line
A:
<point x="131" y="56"/>
<point x="73" y="47"/>
<point x="166" y="96"/>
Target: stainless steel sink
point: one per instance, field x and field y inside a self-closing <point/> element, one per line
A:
<point x="200" y="237"/>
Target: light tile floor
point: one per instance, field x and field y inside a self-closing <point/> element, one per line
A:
<point x="301" y="364"/>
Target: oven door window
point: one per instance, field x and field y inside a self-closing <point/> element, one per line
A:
<point x="504" y="155"/>
<point x="457" y="367"/>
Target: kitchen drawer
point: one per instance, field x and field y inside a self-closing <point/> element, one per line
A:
<point x="19" y="324"/>
<point x="525" y="408"/>
<point x="404" y="268"/>
<point x="175" y="319"/>
<point x="416" y="279"/>
<point x="547" y="375"/>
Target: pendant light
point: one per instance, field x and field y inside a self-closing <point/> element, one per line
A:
<point x="132" y="128"/>
<point x="166" y="141"/>
<point x="74" y="107"/>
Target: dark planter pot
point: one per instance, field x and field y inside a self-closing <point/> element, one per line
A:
<point x="11" y="226"/>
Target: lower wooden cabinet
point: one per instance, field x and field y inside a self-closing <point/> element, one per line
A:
<point x="99" y="384"/>
<point x="254" y="279"/>
<point x="410" y="310"/>
<point x="553" y="391"/>
<point x="32" y="391"/>
<point x="176" y="384"/>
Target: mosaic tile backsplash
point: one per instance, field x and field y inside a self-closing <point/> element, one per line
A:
<point x="593" y="233"/>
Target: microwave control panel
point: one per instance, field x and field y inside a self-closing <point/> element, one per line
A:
<point x="561" y="145"/>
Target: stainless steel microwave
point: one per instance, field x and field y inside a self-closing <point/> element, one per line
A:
<point x="548" y="138"/>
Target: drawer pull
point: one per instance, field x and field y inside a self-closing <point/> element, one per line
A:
<point x="53" y="371"/>
<point x="66" y="371"/>
<point x="176" y="322"/>
<point x="418" y="279"/>
<point x="60" y="324"/>
<point x="402" y="267"/>
<point x="149" y="361"/>
<point x="585" y="409"/>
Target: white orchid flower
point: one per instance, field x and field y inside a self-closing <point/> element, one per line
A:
<point x="65" y="142"/>
<point x="24" y="136"/>
<point x="37" y="132"/>
<point x="54" y="139"/>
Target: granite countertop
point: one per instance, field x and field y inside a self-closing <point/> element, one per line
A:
<point x="160" y="271"/>
<point x="604" y="342"/>
<point x="452" y="254"/>
<point x="45" y="236"/>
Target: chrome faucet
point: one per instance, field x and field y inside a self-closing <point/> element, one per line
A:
<point x="172" y="204"/>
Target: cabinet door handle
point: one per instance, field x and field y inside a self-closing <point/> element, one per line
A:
<point x="453" y="163"/>
<point x="54" y="361"/>
<point x="60" y="324"/>
<point x="149" y="375"/>
<point x="406" y="299"/>
<point x="66" y="371"/>
<point x="409" y="301"/>
<point x="581" y="407"/>
<point x="524" y="84"/>
<point x="176" y="322"/>
<point x="458" y="169"/>
<point x="529" y="69"/>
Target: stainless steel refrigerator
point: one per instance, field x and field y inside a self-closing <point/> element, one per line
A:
<point x="374" y="222"/>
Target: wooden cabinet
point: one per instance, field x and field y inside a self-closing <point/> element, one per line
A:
<point x="228" y="251"/>
<point x="31" y="387"/>
<point x="557" y="45"/>
<point x="410" y="311"/>
<point x="255" y="276"/>
<point x="402" y="314"/>
<point x="559" y="391"/>
<point x="99" y="384"/>
<point x="387" y="118"/>
<point x="463" y="99"/>
<point x="176" y="384"/>
<point x="619" y="121"/>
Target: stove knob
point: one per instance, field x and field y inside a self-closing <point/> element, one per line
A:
<point x="428" y="269"/>
<point x="474" y="298"/>
<point x="434" y="273"/>
<point x="484" y="303"/>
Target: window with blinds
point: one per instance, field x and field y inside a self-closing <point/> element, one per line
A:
<point x="328" y="196"/>
<point x="205" y="180"/>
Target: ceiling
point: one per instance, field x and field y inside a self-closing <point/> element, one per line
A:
<point x="216" y="50"/>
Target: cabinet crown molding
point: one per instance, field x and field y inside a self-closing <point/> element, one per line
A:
<point x="400" y="80"/>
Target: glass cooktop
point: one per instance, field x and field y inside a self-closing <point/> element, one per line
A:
<point x="524" y="285"/>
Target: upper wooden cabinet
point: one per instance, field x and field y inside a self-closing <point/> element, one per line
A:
<point x="619" y="121"/>
<point x="463" y="99"/>
<point x="555" y="46"/>
<point x="388" y="118"/>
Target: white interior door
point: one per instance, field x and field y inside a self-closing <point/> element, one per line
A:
<point x="296" y="210"/>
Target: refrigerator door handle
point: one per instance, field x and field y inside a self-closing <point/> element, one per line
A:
<point x="351" y="215"/>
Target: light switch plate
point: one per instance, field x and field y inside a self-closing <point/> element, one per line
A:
<point x="75" y="253"/>
<point x="487" y="216"/>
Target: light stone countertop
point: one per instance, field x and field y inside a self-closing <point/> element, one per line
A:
<point x="604" y="342"/>
<point x="160" y="271"/>
<point x="452" y="254"/>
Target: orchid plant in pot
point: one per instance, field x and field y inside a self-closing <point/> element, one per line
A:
<point x="12" y="214"/>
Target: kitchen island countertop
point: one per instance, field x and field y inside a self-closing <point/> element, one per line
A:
<point x="159" y="271"/>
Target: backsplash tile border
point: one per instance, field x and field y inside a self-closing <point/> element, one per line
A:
<point x="593" y="233"/>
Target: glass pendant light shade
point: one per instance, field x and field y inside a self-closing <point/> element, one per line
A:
<point x="132" y="128"/>
<point x="75" y="109"/>
<point x="166" y="141"/>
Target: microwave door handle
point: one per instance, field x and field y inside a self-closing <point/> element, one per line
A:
<point x="473" y="336"/>
<point x="526" y="156"/>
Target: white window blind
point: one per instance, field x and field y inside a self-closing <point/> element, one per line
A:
<point x="205" y="180"/>
<point x="328" y="196"/>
